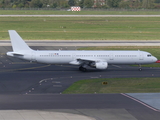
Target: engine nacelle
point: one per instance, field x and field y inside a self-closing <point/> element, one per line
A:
<point x="101" y="65"/>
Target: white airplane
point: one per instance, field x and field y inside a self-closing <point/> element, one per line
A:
<point x="96" y="59"/>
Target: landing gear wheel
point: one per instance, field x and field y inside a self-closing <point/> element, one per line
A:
<point x="140" y="69"/>
<point x="82" y="69"/>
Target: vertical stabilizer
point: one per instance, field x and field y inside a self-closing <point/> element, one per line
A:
<point x="18" y="43"/>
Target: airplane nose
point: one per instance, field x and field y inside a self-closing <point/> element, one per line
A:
<point x="155" y="59"/>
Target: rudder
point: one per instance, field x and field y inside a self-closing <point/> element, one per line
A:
<point x="17" y="42"/>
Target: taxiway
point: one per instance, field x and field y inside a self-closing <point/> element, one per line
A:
<point x="30" y="86"/>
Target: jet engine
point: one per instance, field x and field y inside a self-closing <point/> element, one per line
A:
<point x="101" y="65"/>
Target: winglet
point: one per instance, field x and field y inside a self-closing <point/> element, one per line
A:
<point x="18" y="43"/>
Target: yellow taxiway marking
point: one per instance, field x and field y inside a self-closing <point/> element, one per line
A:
<point x="25" y="68"/>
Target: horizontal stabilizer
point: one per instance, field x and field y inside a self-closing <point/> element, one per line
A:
<point x="14" y="54"/>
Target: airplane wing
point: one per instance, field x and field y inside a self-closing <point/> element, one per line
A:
<point x="91" y="60"/>
<point x="96" y="63"/>
<point x="80" y="61"/>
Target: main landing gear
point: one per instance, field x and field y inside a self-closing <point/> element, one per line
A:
<point x="140" y="69"/>
<point x="82" y="69"/>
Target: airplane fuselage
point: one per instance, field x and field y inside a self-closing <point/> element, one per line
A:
<point x="65" y="57"/>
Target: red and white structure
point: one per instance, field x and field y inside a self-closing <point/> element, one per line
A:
<point x="75" y="8"/>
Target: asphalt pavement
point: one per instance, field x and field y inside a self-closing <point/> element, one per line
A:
<point x="74" y="44"/>
<point x="30" y="87"/>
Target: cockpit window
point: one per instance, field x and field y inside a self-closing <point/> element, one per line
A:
<point x="149" y="55"/>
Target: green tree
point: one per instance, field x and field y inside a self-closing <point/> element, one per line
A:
<point x="97" y="4"/>
<point x="19" y="3"/>
<point x="1" y="3"/>
<point x="113" y="3"/>
<point x="135" y="4"/>
<point x="147" y="4"/>
<point x="54" y="5"/>
<point x="63" y="4"/>
<point x="157" y="1"/>
<point x="81" y="3"/>
<point x="6" y="3"/>
<point x="124" y="4"/>
<point x="36" y="4"/>
<point x="45" y="3"/>
<point x="88" y="3"/>
<point x="71" y="2"/>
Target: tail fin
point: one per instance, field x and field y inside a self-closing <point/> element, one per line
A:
<point x="18" y="43"/>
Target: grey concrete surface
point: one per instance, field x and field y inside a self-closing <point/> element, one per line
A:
<point x="40" y="115"/>
<point x="108" y="114"/>
<point x="67" y="114"/>
<point x="84" y="43"/>
<point x="151" y="99"/>
<point x="98" y="106"/>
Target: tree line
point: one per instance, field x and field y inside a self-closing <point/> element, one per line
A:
<point x="126" y="4"/>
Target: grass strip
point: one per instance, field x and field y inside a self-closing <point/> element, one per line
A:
<point x="115" y="85"/>
<point x="89" y="28"/>
<point x="83" y="12"/>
